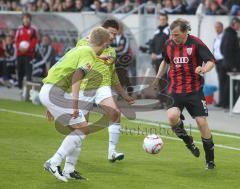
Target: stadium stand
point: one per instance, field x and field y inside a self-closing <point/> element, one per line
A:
<point x="211" y="7"/>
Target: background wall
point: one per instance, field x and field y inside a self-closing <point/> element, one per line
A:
<point x="140" y="28"/>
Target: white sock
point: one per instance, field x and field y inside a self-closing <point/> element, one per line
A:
<point x="114" y="134"/>
<point x="71" y="160"/>
<point x="71" y="141"/>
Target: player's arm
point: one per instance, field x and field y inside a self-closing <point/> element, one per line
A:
<point x="119" y="89"/>
<point x="161" y="71"/>
<point x="108" y="56"/>
<point x="84" y="67"/>
<point x="76" y="80"/>
<point x="108" y="59"/>
<point x="205" y="68"/>
<point x="207" y="57"/>
<point x="163" y="66"/>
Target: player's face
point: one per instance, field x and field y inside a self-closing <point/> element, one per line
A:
<point x="26" y="21"/>
<point x="113" y="32"/>
<point x="178" y="36"/>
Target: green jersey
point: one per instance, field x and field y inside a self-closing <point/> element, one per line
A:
<point x="102" y="73"/>
<point x="77" y="58"/>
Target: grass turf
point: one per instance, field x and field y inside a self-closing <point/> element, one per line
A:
<point x="26" y="142"/>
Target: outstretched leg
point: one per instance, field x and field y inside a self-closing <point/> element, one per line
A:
<point x="178" y="128"/>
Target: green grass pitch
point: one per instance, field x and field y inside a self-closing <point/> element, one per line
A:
<point x="26" y="142"/>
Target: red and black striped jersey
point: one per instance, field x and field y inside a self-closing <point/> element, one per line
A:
<point x="183" y="60"/>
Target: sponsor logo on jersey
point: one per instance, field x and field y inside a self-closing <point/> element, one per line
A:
<point x="180" y="60"/>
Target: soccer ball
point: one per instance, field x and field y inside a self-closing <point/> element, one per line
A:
<point x="24" y="45"/>
<point x="152" y="144"/>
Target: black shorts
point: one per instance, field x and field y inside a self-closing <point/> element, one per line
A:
<point x="195" y="103"/>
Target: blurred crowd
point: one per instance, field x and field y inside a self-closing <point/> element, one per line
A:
<point x="41" y="60"/>
<point x="208" y="7"/>
<point x="27" y="54"/>
<point x="24" y="53"/>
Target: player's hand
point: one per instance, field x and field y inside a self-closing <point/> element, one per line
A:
<point x="200" y="70"/>
<point x="155" y="83"/>
<point x="75" y="113"/>
<point x="106" y="59"/>
<point x="130" y="100"/>
<point x="49" y="116"/>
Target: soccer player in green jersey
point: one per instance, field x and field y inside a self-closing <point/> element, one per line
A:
<point x="65" y="77"/>
<point x="99" y="83"/>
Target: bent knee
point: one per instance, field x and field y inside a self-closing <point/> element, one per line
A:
<point x="173" y="115"/>
<point x="115" y="115"/>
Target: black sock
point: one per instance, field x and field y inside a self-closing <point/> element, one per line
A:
<point x="181" y="133"/>
<point x="208" y="146"/>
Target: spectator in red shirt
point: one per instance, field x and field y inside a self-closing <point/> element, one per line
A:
<point x="26" y="40"/>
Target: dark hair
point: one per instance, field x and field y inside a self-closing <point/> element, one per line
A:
<point x="110" y="23"/>
<point x="163" y="14"/>
<point x="235" y="20"/>
<point x="183" y="24"/>
<point x="26" y="14"/>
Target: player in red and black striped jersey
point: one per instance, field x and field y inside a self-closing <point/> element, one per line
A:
<point x="188" y="58"/>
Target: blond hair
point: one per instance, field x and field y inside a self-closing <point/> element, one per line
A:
<point x="98" y="36"/>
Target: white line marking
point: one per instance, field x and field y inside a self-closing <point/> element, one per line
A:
<point x="192" y="130"/>
<point x="21" y="113"/>
<point x="124" y="130"/>
<point x="173" y="138"/>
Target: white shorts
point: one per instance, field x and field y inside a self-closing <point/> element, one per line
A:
<point x="58" y="102"/>
<point x="89" y="97"/>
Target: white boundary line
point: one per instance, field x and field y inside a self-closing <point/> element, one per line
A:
<point x="167" y="137"/>
<point x="21" y="113"/>
<point x="173" y="138"/>
<point x="192" y="130"/>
